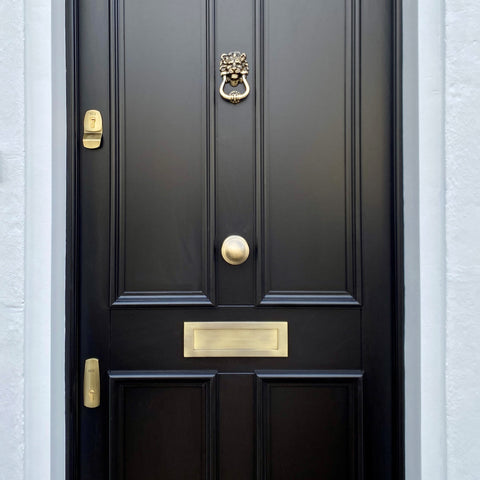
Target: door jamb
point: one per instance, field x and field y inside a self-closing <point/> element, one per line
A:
<point x="398" y="239"/>
<point x="72" y="394"/>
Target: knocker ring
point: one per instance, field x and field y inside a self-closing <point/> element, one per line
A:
<point x="234" y="70"/>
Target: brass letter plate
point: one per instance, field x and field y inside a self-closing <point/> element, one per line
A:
<point x="235" y="339"/>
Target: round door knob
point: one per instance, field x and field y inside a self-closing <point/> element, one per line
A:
<point x="235" y="250"/>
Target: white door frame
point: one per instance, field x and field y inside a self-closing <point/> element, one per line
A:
<point x="424" y="196"/>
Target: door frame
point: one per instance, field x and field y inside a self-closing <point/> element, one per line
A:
<point x="72" y="380"/>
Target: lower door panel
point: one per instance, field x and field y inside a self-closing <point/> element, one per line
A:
<point x="256" y="425"/>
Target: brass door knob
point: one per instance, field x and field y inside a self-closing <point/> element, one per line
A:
<point x="235" y="250"/>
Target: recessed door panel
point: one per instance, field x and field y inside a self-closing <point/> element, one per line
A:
<point x="319" y="412"/>
<point x="162" y="425"/>
<point x="310" y="197"/>
<point x="161" y="239"/>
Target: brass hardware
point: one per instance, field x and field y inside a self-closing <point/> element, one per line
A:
<point x="234" y="70"/>
<point x="235" y="250"/>
<point x="92" y="129"/>
<point x="235" y="339"/>
<point x="91" y="383"/>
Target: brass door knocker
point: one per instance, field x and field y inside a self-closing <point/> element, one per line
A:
<point x="234" y="70"/>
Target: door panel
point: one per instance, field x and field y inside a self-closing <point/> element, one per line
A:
<point x="162" y="425"/>
<point x="310" y="236"/>
<point x="320" y="414"/>
<point x="303" y="170"/>
<point x="160" y="237"/>
<point x="166" y="178"/>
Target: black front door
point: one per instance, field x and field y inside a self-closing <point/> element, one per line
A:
<point x="272" y="355"/>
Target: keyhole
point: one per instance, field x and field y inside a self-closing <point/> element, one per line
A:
<point x="92" y="122"/>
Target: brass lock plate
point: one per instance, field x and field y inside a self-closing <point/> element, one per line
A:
<point x="92" y="129"/>
<point x="235" y="339"/>
<point x="91" y="383"/>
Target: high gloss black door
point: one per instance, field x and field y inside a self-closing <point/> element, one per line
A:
<point x="303" y="170"/>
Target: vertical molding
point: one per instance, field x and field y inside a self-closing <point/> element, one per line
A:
<point x="116" y="207"/>
<point x="398" y="243"/>
<point x="72" y="247"/>
<point x="356" y="198"/>
<point x="263" y="434"/>
<point x="210" y="209"/>
<point x="353" y="205"/>
<point x="259" y="164"/>
<point x="411" y="240"/>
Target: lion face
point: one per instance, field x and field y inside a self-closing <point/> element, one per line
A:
<point x="233" y="65"/>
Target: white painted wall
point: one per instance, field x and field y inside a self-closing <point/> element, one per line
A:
<point x="12" y="239"/>
<point x="442" y="228"/>
<point x="462" y="216"/>
<point x="32" y="238"/>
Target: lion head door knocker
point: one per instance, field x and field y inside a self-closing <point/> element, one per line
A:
<point x="234" y="70"/>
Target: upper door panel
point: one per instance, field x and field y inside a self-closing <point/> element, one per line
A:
<point x="281" y="168"/>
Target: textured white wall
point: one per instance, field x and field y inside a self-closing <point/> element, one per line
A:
<point x="32" y="240"/>
<point x="442" y="226"/>
<point x="462" y="149"/>
<point x="12" y="209"/>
